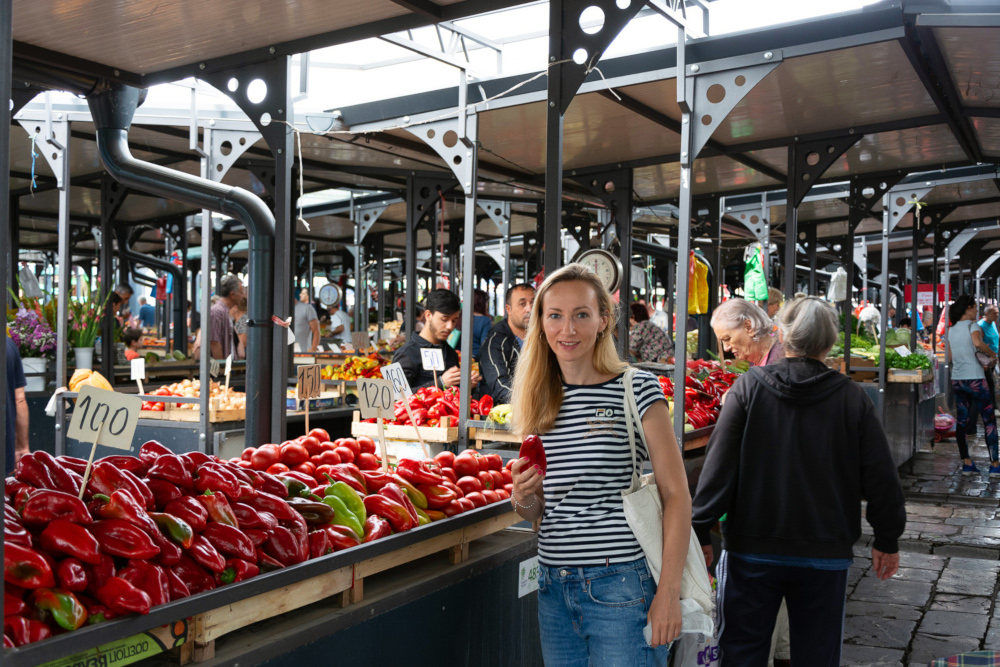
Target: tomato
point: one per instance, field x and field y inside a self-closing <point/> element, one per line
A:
<point x="306" y="468"/>
<point x="265" y="457"/>
<point x="448" y="473"/>
<point x="478" y="499"/>
<point x="247" y="453"/>
<point x="445" y="459"/>
<point x="508" y="478"/>
<point x="491" y="496"/>
<point x="345" y="453"/>
<point x="367" y="445"/>
<point x="454" y="508"/>
<point x="329" y="458"/>
<point x="503" y="493"/>
<point x="494" y="461"/>
<point x="447" y="483"/>
<point x="320" y="473"/>
<point x="466" y="466"/>
<point x="312" y="446"/>
<point x="367" y="461"/>
<point x="484" y="463"/>
<point x="294" y="454"/>
<point x="277" y="469"/>
<point x="467" y="505"/>
<point x="244" y="464"/>
<point x="487" y="479"/>
<point x="352" y="445"/>
<point x="509" y="488"/>
<point x="338" y="442"/>
<point x="469" y="484"/>
<point x="510" y="464"/>
<point x="497" y="479"/>
<point x="320" y="434"/>
<point x="327" y="446"/>
<point x="473" y="451"/>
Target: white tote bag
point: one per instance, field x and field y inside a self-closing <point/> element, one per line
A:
<point x="644" y="512"/>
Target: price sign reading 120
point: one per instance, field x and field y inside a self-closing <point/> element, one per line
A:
<point x="375" y="398"/>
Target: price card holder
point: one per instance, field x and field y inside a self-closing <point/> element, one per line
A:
<point x="360" y="340"/>
<point x="375" y="399"/>
<point x="308" y="386"/>
<point x="433" y="360"/>
<point x="139" y="372"/>
<point x="401" y="390"/>
<point x="106" y="418"/>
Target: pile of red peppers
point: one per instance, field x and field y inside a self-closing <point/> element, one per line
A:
<point x="430" y="404"/>
<point x="163" y="526"/>
<point x="703" y="391"/>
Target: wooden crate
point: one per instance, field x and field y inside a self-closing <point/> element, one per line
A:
<point x="346" y="582"/>
<point x="915" y="376"/>
<point x="862" y="369"/>
<point x="493" y="433"/>
<point x="447" y="433"/>
<point x="187" y="415"/>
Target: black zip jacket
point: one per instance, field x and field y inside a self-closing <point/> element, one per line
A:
<point x="409" y="359"/>
<point x="796" y="448"/>
<point x="497" y="359"/>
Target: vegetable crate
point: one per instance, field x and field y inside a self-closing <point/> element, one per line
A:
<point x="487" y="431"/>
<point x="170" y="413"/>
<point x="347" y="582"/>
<point x="910" y="376"/>
<point x="862" y="369"/>
<point x="445" y="434"/>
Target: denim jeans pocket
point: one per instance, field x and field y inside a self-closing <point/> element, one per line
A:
<point x="617" y="589"/>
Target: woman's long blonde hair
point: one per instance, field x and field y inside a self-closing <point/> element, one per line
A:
<point x="538" y="381"/>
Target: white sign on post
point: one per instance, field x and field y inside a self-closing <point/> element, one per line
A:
<point x="375" y="398"/>
<point x="432" y="358"/>
<point x="138" y="368"/>
<point x="394" y="374"/>
<point x="105" y="418"/>
<point x="309" y="381"/>
<point x="902" y="351"/>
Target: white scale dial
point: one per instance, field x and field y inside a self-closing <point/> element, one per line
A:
<point x="605" y="265"/>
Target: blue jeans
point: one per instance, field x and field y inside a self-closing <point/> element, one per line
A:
<point x="594" y="616"/>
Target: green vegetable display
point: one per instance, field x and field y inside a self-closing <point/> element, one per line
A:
<point x="894" y="359"/>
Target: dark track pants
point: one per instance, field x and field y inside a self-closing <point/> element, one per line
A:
<point x="749" y="596"/>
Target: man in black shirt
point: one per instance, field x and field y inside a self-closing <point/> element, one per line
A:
<point x="502" y="346"/>
<point x="443" y="310"/>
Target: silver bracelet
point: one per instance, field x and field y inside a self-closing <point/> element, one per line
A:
<point x="524" y="507"/>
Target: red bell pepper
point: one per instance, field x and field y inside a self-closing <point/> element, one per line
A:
<point x="13" y="605"/>
<point x="257" y="537"/>
<point x="194" y="460"/>
<point x="72" y="575"/>
<point x="205" y="554"/>
<point x="23" y="631"/>
<point x="170" y="552"/>
<point x="265" y="502"/>
<point x="375" y="480"/>
<point x="340" y="537"/>
<point x="438" y="496"/>
<point x="106" y="479"/>
<point x="393" y="492"/>
<point x="248" y="517"/>
<point x="98" y="575"/>
<point x="30" y="470"/>
<point x="171" y="468"/>
<point x="219" y="480"/>
<point x="64" y="537"/>
<point x="151" y="451"/>
<point x="149" y="578"/>
<point x="416" y="472"/>
<point x="190" y="511"/>
<point x="15" y="533"/>
<point x="376" y="528"/>
<point x="163" y="492"/>
<point x="121" y="505"/>
<point x="65" y="479"/>
<point x="284" y="546"/>
<point x="193" y="575"/>
<point x="178" y="589"/>
<point x="533" y="450"/>
<point x="12" y="485"/>
<point x="123" y="598"/>
<point x="414" y="494"/>
<point x="319" y="544"/>
<point x="46" y="506"/>
<point x="133" y="464"/>
<point x="237" y="570"/>
<point x="229" y="541"/>
<point x="267" y="483"/>
<point x="267" y="563"/>
<point x="61" y="605"/>
<point x="218" y="508"/>
<point x="79" y="466"/>
<point x="168" y="525"/>
<point x="120" y="538"/>
<point x="393" y="512"/>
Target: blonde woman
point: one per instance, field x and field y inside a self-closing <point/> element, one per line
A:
<point x="595" y="595"/>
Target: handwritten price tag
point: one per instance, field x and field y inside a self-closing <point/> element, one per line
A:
<point x="360" y="340"/>
<point x="375" y="398"/>
<point x="432" y="359"/>
<point x="309" y="381"/>
<point x="105" y="413"/>
<point x="394" y="374"/>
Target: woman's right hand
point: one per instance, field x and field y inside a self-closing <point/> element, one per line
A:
<point x="527" y="481"/>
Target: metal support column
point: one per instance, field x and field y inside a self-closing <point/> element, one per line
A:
<point x="6" y="40"/>
<point x="14" y="235"/>
<point x="112" y="196"/>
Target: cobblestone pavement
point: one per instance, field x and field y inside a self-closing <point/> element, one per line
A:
<point x="945" y="599"/>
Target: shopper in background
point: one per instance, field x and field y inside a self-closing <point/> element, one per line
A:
<point x="16" y="419"/>
<point x="147" y="313"/>
<point x="443" y="309"/>
<point x="746" y="330"/>
<point x="792" y="495"/>
<point x="306" y="324"/>
<point x="481" y="321"/>
<point x="132" y="339"/>
<point x="774" y="300"/>
<point x="968" y="380"/>
<point x="239" y="315"/>
<point x="595" y="593"/>
<point x="502" y="347"/>
<point x="646" y="341"/>
<point x="229" y="291"/>
<point x="340" y="324"/>
<point x="193" y="318"/>
<point x="120" y="298"/>
<point x="660" y="318"/>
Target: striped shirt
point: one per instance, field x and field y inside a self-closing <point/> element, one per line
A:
<point x="587" y="453"/>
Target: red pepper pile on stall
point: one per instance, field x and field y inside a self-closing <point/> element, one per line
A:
<point x="162" y="526"/>
<point x="703" y="391"/>
<point x="430" y="404"/>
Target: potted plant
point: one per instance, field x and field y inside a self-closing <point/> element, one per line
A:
<point x="36" y="343"/>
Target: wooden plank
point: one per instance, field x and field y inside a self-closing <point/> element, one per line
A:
<point x="204" y="651"/>
<point x="458" y="553"/>
<point x="216" y="623"/>
<point x="492" y="435"/>
<point x="402" y="556"/>
<point x="492" y="525"/>
<point x="906" y="376"/>
<point x="185" y="415"/>
<point x="408" y="433"/>
<point x="186" y="653"/>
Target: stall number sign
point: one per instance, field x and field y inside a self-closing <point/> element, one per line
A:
<point x="309" y="381"/>
<point x="432" y="358"/>
<point x="118" y="414"/>
<point x="527" y="581"/>
<point x="394" y="374"/>
<point x="360" y="340"/>
<point x="375" y="398"/>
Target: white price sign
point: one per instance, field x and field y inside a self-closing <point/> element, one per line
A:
<point x="902" y="350"/>
<point x="432" y="358"/>
<point x="400" y="386"/>
<point x="105" y="417"/>
<point x="528" y="574"/>
<point x="375" y="398"/>
<point x="360" y="340"/>
<point x="138" y="368"/>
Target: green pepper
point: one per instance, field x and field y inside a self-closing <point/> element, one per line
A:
<point x="344" y="517"/>
<point x="65" y="609"/>
<point x="351" y="499"/>
<point x="295" y="487"/>
<point x="176" y="529"/>
<point x="422" y="517"/>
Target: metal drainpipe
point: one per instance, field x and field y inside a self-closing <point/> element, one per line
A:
<point x="125" y="244"/>
<point x="112" y="106"/>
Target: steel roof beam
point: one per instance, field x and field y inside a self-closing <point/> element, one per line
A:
<point x="425" y="8"/>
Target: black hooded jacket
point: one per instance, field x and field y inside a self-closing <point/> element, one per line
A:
<point x="796" y="449"/>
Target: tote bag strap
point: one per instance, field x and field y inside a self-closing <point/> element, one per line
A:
<point x="632" y="418"/>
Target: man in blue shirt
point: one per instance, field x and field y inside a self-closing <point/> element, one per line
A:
<point x="147" y="313"/>
<point x="17" y="409"/>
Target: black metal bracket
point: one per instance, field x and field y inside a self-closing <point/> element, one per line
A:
<point x="21" y="94"/>
<point x="864" y="194"/>
<point x="809" y="160"/>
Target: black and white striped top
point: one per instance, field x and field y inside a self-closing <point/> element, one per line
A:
<point x="587" y="453"/>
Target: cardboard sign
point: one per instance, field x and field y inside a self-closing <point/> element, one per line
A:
<point x="334" y="348"/>
<point x="527" y="581"/>
<point x="375" y="398"/>
<point x="400" y="386"/>
<point x="902" y="351"/>
<point x="360" y="340"/>
<point x="105" y="417"/>
<point x="309" y="381"/>
<point x="138" y="368"/>
<point x="432" y="358"/>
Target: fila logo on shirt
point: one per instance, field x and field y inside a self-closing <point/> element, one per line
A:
<point x="602" y="423"/>
<point x="604" y="413"/>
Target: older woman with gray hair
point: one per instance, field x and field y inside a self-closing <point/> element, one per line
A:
<point x="744" y="329"/>
<point x="796" y="449"/>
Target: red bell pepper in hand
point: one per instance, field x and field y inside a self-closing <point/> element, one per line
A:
<point x="229" y="541"/>
<point x="265" y="502"/>
<point x="416" y="472"/>
<point x="149" y="578"/>
<point x="121" y="505"/>
<point x="171" y="468"/>
<point x="205" y="554"/>
<point x="64" y="537"/>
<point x="438" y="496"/>
<point x="391" y="511"/>
<point x="120" y="538"/>
<point x="22" y="631"/>
<point x="65" y="479"/>
<point x="46" y="506"/>
<point x="216" y="478"/>
<point x="218" y="508"/>
<point x="122" y="597"/>
<point x="63" y="606"/>
<point x="13" y="605"/>
<point x="193" y="575"/>
<point x="178" y="589"/>
<point x="98" y="575"/>
<point x="190" y="511"/>
<point x="376" y="528"/>
<point x="30" y="470"/>
<point x="163" y="492"/>
<point x="72" y="575"/>
<point x="533" y="450"/>
<point x="393" y="492"/>
<point x="133" y="464"/>
<point x="151" y="451"/>
<point x="319" y="544"/>
<point x="237" y="570"/>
